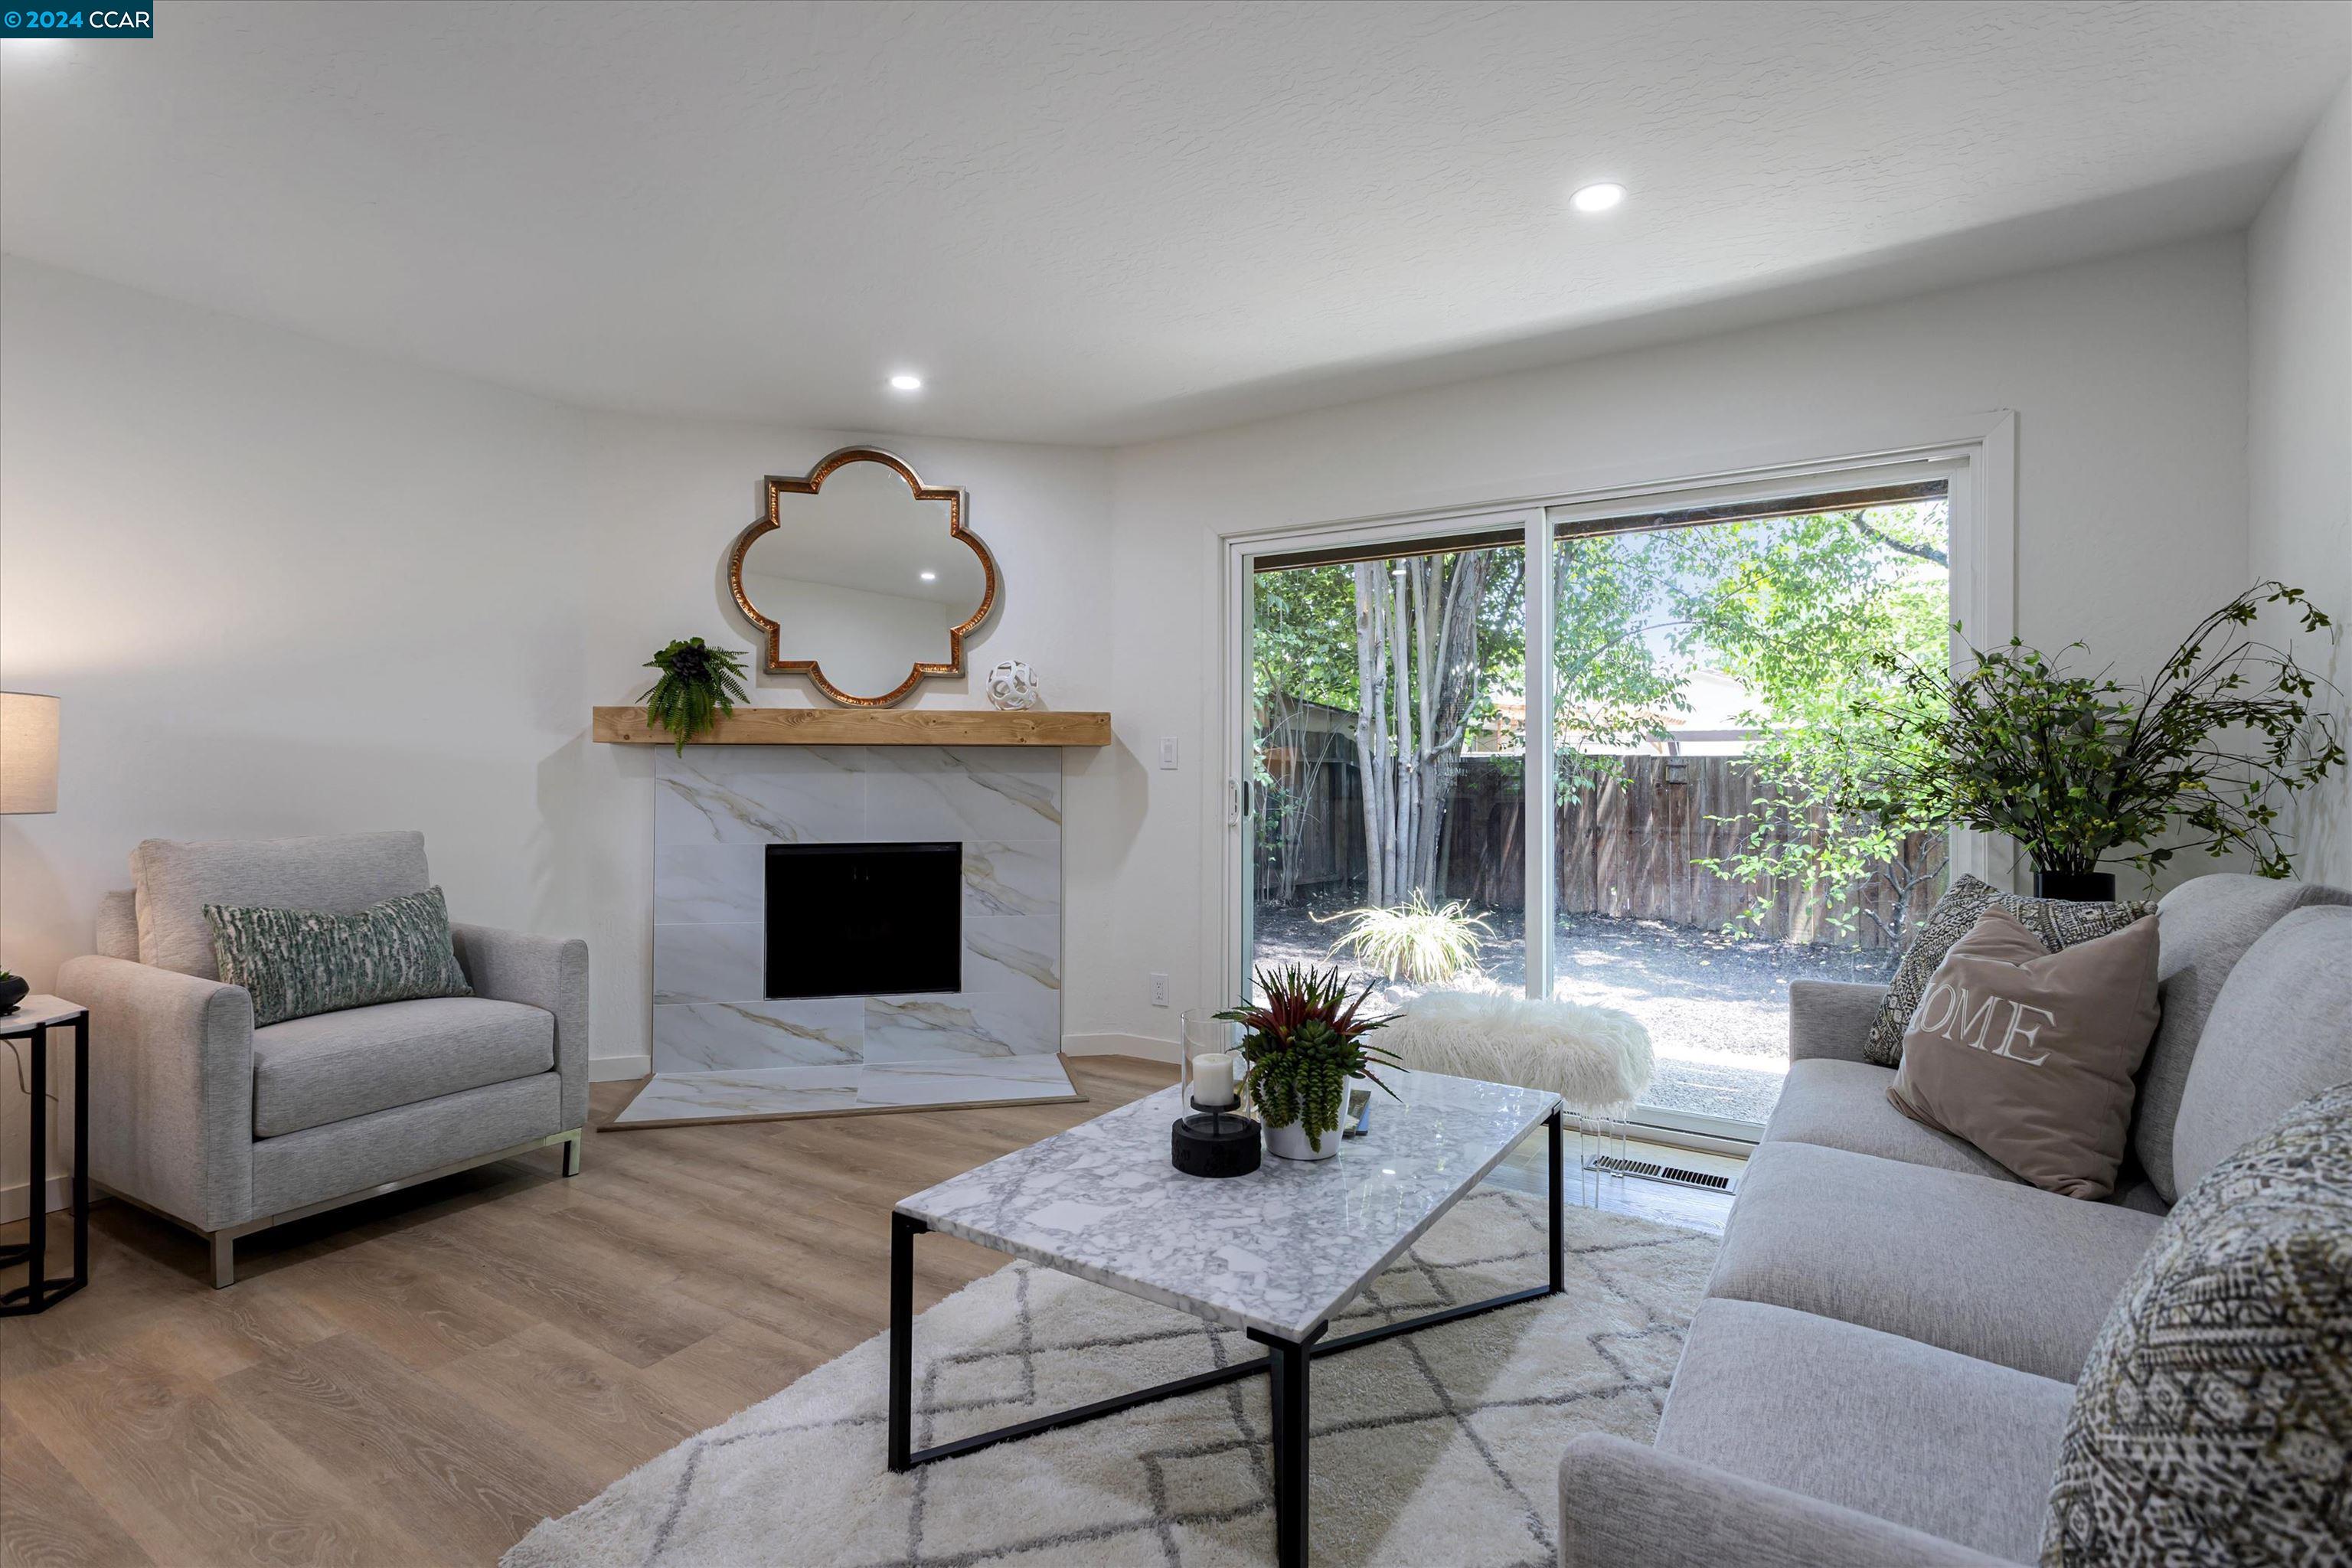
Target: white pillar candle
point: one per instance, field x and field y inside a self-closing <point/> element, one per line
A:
<point x="1213" y="1079"/>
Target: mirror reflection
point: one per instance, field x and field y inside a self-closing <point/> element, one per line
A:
<point x="861" y="583"/>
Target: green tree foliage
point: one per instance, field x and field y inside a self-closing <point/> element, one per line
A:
<point x="1413" y="656"/>
<point x="1801" y="611"/>
<point x="1615" y="608"/>
<point x="1303" y="670"/>
<point x="1304" y="646"/>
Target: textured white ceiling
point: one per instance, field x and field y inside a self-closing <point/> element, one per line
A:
<point x="1101" y="222"/>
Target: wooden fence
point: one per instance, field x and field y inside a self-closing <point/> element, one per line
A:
<point x="1628" y="847"/>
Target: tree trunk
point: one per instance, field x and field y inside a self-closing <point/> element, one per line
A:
<point x="1372" y="730"/>
<point x="1417" y="671"/>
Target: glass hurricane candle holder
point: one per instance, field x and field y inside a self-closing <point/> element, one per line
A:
<point x="1215" y="1139"/>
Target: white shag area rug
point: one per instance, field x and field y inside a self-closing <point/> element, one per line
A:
<point x="1431" y="1449"/>
<point x="1596" y="1058"/>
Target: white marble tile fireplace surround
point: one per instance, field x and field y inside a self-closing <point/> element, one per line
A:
<point x="723" y="1049"/>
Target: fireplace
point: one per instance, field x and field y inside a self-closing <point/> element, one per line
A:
<point x="863" y="920"/>
<point x="850" y="929"/>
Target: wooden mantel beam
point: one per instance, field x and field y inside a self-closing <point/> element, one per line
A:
<point x="865" y="727"/>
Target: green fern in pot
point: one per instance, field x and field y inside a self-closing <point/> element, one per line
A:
<point x="697" y="683"/>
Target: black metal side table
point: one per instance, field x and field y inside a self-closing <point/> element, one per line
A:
<point x="33" y="1019"/>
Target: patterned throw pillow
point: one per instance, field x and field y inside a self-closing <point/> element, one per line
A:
<point x="2059" y="922"/>
<point x="298" y="961"/>
<point x="2213" y="1421"/>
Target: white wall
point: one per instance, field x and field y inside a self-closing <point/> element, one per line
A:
<point x="2127" y="376"/>
<point x="287" y="588"/>
<point x="2299" y="427"/>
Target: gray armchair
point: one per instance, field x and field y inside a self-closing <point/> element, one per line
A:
<point x="227" y="1129"/>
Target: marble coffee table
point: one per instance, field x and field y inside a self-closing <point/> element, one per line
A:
<point x="1276" y="1254"/>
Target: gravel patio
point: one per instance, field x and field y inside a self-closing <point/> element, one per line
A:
<point x="1716" y="1007"/>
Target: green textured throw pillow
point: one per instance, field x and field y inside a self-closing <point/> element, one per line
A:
<point x="2059" y="922"/>
<point x="301" y="961"/>
<point x="2213" y="1420"/>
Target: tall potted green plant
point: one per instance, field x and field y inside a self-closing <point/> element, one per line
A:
<point x="1302" y="1043"/>
<point x="2082" y="770"/>
<point x="697" y="683"/>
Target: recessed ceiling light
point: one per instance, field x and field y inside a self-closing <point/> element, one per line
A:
<point x="931" y="576"/>
<point x="905" y="382"/>
<point x="1598" y="198"/>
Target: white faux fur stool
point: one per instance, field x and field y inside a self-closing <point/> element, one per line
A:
<point x="1596" y="1058"/>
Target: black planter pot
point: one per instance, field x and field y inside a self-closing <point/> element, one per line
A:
<point x="12" y="991"/>
<point x="2075" y="887"/>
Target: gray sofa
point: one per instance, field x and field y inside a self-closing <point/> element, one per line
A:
<point x="229" y="1129"/>
<point x="1883" y="1365"/>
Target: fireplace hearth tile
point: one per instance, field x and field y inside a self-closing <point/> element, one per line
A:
<point x="720" y="1096"/>
<point x="670" y="1099"/>
<point x="709" y="962"/>
<point x="725" y="1037"/>
<point x="718" y="794"/>
<point x="710" y="884"/>
<point x="935" y="1083"/>
<point x="943" y="1028"/>
<point x="1012" y="953"/>
<point x="965" y="796"/>
<point x="1018" y="878"/>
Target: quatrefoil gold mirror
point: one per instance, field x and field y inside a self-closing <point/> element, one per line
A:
<point x="863" y="577"/>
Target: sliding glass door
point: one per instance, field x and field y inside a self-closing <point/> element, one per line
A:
<point x="1387" y="742"/>
<point x="1714" y="678"/>
<point x="1675" y="835"/>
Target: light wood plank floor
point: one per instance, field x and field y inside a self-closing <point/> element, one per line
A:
<point x="421" y="1378"/>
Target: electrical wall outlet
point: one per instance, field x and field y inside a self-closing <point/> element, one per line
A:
<point x="1168" y="751"/>
<point x="1159" y="991"/>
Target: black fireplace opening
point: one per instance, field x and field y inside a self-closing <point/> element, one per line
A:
<point x="865" y="919"/>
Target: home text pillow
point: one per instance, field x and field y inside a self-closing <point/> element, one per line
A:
<point x="301" y="961"/>
<point x="2059" y="922"/>
<point x="2213" y="1420"/>
<point x="2028" y="1054"/>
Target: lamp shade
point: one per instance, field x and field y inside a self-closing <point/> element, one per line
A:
<point x="28" y="752"/>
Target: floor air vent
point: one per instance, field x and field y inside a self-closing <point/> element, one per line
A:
<point x="1651" y="1171"/>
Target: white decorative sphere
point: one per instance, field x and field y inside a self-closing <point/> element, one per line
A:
<point x="1012" y="686"/>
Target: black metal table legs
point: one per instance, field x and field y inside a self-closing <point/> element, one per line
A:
<point x="39" y="1292"/>
<point x="904" y="1229"/>
<point x="1285" y="1365"/>
<point x="1552" y="1134"/>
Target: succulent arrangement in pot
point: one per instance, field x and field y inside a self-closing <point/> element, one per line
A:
<point x="697" y="683"/>
<point x="2080" y="769"/>
<point x="1302" y="1042"/>
<point x="13" y="990"/>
